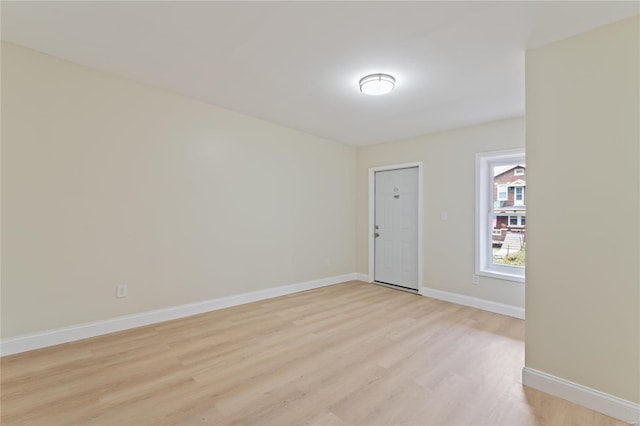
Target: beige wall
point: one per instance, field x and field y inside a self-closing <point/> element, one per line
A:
<point x="583" y="297"/>
<point x="105" y="181"/>
<point x="449" y="184"/>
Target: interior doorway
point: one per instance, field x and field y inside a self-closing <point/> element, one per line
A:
<point x="395" y="222"/>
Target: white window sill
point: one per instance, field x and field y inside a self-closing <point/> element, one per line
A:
<point x="502" y="276"/>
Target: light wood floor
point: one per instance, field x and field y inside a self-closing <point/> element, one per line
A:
<point x="348" y="354"/>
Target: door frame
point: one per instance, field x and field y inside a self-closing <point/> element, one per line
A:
<point x="372" y="203"/>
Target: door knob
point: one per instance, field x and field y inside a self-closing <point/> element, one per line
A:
<point x="376" y="235"/>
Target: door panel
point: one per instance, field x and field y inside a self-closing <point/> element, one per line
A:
<point x="396" y="218"/>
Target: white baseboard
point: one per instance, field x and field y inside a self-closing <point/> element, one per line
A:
<point x="474" y="302"/>
<point x="362" y="277"/>
<point x="96" y="328"/>
<point x="587" y="397"/>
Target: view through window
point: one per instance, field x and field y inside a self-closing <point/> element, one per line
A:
<point x="501" y="214"/>
<point x="508" y="214"/>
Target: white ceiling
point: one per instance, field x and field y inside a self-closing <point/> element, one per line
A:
<point x="298" y="63"/>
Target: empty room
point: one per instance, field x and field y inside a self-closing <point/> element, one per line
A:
<point x="320" y="213"/>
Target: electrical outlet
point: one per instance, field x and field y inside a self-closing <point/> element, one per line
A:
<point x="475" y="280"/>
<point x="121" y="291"/>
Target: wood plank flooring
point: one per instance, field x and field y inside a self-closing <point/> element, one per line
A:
<point x="349" y="354"/>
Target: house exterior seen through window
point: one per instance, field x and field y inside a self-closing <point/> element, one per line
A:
<point x="509" y="215"/>
<point x="501" y="215"/>
<point x="502" y="192"/>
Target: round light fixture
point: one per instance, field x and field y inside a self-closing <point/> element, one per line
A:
<point x="377" y="84"/>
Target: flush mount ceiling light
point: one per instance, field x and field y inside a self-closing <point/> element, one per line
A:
<point x="377" y="84"/>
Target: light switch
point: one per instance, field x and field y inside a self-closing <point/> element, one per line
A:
<point x="444" y="215"/>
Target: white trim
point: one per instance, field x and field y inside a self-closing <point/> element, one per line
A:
<point x="587" y="397"/>
<point x="506" y="276"/>
<point x="96" y="328"/>
<point x="371" y="227"/>
<point x="362" y="277"/>
<point x="474" y="302"/>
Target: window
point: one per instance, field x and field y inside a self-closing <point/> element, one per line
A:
<point x="502" y="192"/>
<point x="516" y="220"/>
<point x="501" y="215"/>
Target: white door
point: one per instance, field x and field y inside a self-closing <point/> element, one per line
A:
<point x="396" y="227"/>
<point x="519" y="196"/>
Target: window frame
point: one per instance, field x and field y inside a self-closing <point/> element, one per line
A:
<point x="518" y="220"/>
<point x="485" y="163"/>
<point x="519" y="171"/>
<point x="506" y="192"/>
